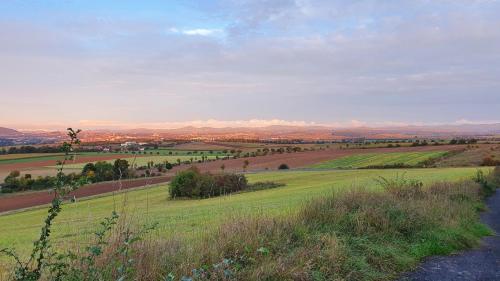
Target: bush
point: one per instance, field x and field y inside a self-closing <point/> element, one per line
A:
<point x="283" y="167"/>
<point x="192" y="183"/>
<point x="489" y="161"/>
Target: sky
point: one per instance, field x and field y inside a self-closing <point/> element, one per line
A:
<point x="122" y="63"/>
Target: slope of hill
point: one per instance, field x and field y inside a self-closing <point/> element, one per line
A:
<point x="6" y="132"/>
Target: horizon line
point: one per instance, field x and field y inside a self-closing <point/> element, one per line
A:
<point x="227" y="124"/>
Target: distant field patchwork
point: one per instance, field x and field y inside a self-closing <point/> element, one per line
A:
<point x="142" y="160"/>
<point x="379" y="159"/>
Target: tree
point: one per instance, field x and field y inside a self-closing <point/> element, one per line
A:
<point x="120" y="169"/>
<point x="89" y="167"/>
<point x="168" y="166"/>
<point x="103" y="171"/>
<point x="283" y="167"/>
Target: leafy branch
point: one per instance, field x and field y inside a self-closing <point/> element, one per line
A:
<point x="31" y="269"/>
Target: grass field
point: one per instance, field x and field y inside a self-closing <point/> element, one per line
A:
<point x="379" y="159"/>
<point x="187" y="152"/>
<point x="35" y="157"/>
<point x="25" y="155"/>
<point x="189" y="218"/>
<point x="28" y="157"/>
<point x="142" y="160"/>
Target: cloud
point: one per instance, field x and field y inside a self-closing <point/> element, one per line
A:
<point x="198" y="31"/>
<point x="212" y="123"/>
<point x="202" y="31"/>
<point x="476" y="122"/>
<point x="325" y="61"/>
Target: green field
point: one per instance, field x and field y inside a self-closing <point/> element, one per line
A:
<point x="189" y="218"/>
<point x="6" y="157"/>
<point x="190" y="152"/>
<point x="142" y="160"/>
<point x="379" y="159"/>
<point x="35" y="157"/>
<point x="29" y="157"/>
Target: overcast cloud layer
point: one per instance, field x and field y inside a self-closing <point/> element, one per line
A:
<point x="304" y="61"/>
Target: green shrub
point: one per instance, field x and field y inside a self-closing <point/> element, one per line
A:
<point x="489" y="161"/>
<point x="489" y="183"/>
<point x="194" y="184"/>
<point x="283" y="167"/>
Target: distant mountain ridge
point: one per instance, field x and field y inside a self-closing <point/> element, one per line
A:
<point x="6" y="132"/>
<point x="274" y="132"/>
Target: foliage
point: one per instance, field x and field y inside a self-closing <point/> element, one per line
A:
<point x="14" y="182"/>
<point x="489" y="161"/>
<point x="120" y="169"/>
<point x="401" y="187"/>
<point x="46" y="263"/>
<point x="283" y="167"/>
<point x="33" y="149"/>
<point x="463" y="141"/>
<point x="193" y="183"/>
<point x="32" y="268"/>
<point x="103" y="171"/>
<point x="489" y="183"/>
<point x="98" y="172"/>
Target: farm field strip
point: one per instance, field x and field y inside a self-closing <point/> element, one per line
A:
<point x="43" y="157"/>
<point x="7" y="157"/>
<point x="379" y="159"/>
<point x="142" y="160"/>
<point x="27" y="159"/>
<point x="187" y="151"/>
<point x="190" y="218"/>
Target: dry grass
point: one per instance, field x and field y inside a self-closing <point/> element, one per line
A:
<point x="471" y="156"/>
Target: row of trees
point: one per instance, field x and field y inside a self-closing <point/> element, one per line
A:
<point x="40" y="149"/>
<point x="463" y="141"/>
<point x="91" y="173"/>
<point x="104" y="171"/>
<point x="31" y="149"/>
<point x="14" y="182"/>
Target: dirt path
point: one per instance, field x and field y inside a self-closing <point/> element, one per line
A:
<point x="479" y="264"/>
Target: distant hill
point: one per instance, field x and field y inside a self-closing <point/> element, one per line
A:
<point x="6" y="132"/>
